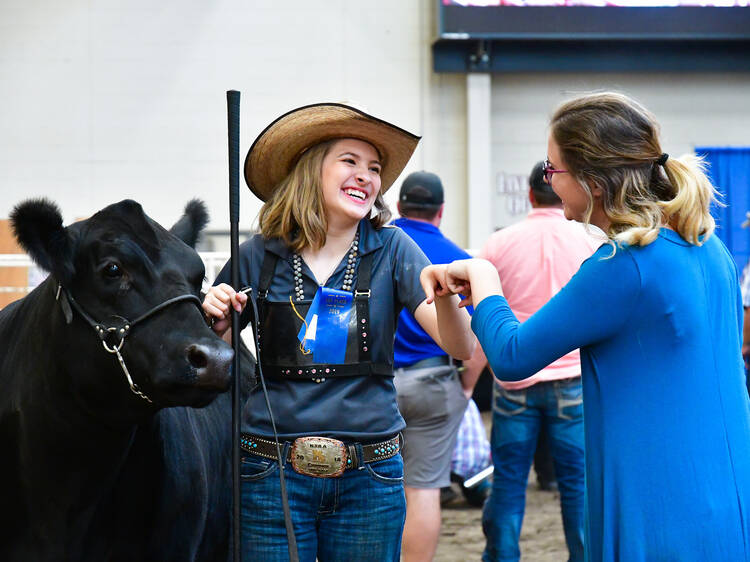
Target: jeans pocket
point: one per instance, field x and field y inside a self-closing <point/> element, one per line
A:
<point x="569" y="394"/>
<point x="253" y="467"/>
<point x="508" y="402"/>
<point x="388" y="471"/>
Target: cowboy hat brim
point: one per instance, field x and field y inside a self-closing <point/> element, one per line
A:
<point x="277" y="149"/>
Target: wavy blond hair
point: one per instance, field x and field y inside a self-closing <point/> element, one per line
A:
<point x="296" y="212"/>
<point x="611" y="141"/>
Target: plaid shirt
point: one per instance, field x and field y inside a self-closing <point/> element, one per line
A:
<point x="472" y="451"/>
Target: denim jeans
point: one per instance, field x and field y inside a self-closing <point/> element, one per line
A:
<point x="356" y="516"/>
<point x="516" y="419"/>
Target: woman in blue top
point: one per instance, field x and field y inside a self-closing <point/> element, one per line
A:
<point x="657" y="316"/>
<point x="330" y="280"/>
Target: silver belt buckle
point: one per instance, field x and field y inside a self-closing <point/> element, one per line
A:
<point x="321" y="457"/>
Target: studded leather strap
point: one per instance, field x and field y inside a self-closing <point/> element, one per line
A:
<point x="372" y="452"/>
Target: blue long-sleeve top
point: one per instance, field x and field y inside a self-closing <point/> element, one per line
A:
<point x="666" y="412"/>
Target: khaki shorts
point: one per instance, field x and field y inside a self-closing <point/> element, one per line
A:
<point x="432" y="403"/>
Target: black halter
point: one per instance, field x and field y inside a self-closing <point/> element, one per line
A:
<point x="113" y="335"/>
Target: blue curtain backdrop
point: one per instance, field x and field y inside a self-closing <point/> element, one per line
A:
<point x="730" y="172"/>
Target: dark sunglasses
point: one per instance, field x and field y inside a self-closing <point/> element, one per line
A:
<point x="549" y="171"/>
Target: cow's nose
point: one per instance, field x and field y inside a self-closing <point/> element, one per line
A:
<point x="198" y="355"/>
<point x="212" y="363"/>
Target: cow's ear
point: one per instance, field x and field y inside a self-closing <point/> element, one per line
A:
<point x="38" y="226"/>
<point x="192" y="223"/>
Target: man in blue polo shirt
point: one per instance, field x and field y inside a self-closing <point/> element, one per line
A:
<point x="431" y="396"/>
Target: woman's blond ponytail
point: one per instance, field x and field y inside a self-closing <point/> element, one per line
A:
<point x="689" y="211"/>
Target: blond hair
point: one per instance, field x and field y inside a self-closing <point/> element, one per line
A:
<point x="296" y="212"/>
<point x="611" y="141"/>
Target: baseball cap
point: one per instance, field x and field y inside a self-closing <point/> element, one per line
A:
<point x="421" y="189"/>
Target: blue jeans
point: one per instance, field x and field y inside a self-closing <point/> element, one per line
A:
<point x="356" y="516"/>
<point x="516" y="419"/>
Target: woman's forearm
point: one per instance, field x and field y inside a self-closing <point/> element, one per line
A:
<point x="454" y="327"/>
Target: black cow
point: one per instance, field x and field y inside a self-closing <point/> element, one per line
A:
<point x="92" y="467"/>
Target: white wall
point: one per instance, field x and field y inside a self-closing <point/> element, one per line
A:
<point x="693" y="110"/>
<point x="111" y="99"/>
<point x="105" y="100"/>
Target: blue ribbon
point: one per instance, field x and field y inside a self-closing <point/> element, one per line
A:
<point x="326" y="326"/>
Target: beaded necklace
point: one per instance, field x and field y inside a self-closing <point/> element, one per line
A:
<point x="351" y="263"/>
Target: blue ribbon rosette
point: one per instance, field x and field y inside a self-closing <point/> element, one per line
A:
<point x="326" y="326"/>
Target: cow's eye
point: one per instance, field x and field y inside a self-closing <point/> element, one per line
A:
<point x="112" y="270"/>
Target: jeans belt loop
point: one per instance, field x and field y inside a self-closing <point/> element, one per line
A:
<point x="351" y="450"/>
<point x="358" y="454"/>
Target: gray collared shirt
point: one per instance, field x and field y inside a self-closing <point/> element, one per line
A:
<point x="351" y="408"/>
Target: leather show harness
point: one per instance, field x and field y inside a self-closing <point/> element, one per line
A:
<point x="112" y="335"/>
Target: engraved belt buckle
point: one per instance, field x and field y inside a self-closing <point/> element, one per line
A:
<point x="319" y="456"/>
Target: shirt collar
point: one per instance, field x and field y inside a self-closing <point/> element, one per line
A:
<point x="416" y="225"/>
<point x="369" y="241"/>
<point x="546" y="212"/>
<point x="278" y="247"/>
<point x="369" y="238"/>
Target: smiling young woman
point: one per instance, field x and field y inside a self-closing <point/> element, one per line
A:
<point x="331" y="280"/>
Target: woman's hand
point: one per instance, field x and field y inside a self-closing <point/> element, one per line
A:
<point x="457" y="278"/>
<point x="433" y="282"/>
<point x="216" y="306"/>
<point x="454" y="279"/>
<point x="473" y="278"/>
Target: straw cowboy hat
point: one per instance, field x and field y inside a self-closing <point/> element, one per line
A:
<point x="277" y="149"/>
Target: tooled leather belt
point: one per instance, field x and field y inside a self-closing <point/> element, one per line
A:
<point x="371" y="452"/>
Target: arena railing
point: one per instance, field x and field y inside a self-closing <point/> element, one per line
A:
<point x="213" y="262"/>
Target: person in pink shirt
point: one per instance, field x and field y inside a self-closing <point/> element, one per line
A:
<point x="535" y="258"/>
